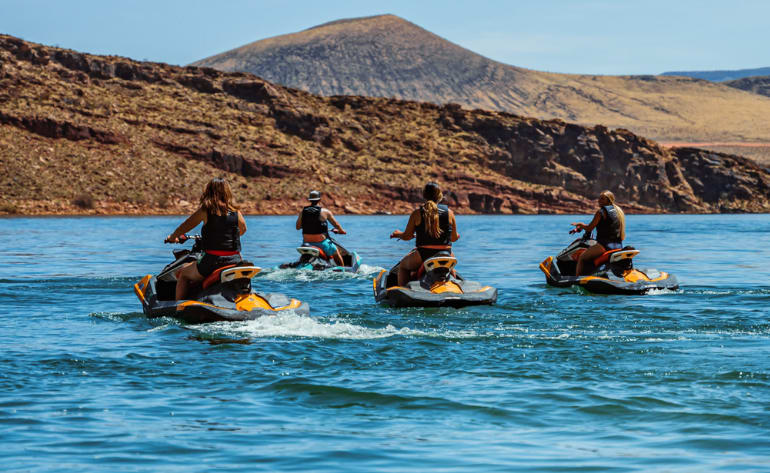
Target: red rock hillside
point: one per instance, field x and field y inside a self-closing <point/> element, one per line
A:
<point x="107" y="135"/>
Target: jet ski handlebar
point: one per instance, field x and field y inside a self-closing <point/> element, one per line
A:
<point x="183" y="238"/>
<point x="586" y="235"/>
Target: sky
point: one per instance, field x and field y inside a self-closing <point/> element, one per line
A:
<point x="585" y="37"/>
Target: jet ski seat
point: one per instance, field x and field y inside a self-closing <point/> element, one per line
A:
<point x="448" y="262"/>
<point x="313" y="251"/>
<point x="230" y="273"/>
<point x="441" y="265"/>
<point x="614" y="256"/>
<point x="420" y="272"/>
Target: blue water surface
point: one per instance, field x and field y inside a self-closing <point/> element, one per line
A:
<point x="546" y="380"/>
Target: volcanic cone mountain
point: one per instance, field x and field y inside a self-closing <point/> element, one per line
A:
<point x="386" y="56"/>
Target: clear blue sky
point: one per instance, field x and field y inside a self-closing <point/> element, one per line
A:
<point x="591" y="36"/>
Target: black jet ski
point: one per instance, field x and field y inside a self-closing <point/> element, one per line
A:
<point x="611" y="273"/>
<point x="436" y="284"/>
<point x="313" y="258"/>
<point x="225" y="295"/>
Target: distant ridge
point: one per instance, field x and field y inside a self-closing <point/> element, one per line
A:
<point x="721" y="76"/>
<point x="387" y="56"/>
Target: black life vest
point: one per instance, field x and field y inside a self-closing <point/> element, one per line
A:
<point x="311" y="221"/>
<point x="424" y="238"/>
<point x="221" y="232"/>
<point x="608" y="228"/>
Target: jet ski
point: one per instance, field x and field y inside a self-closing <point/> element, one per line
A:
<point x="313" y="258"/>
<point x="225" y="295"/>
<point x="435" y="284"/>
<point x="611" y="273"/>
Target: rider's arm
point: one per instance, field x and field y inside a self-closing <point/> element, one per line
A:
<point x="241" y="223"/>
<point x="590" y="227"/>
<point x="337" y="226"/>
<point x="299" y="222"/>
<point x="191" y="222"/>
<point x="454" y="236"/>
<point x="408" y="232"/>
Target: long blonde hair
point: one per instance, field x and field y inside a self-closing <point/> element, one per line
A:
<point x="432" y="195"/>
<point x="217" y="199"/>
<point x="621" y="216"/>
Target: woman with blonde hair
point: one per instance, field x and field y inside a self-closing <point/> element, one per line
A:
<point x="435" y="227"/>
<point x="221" y="233"/>
<point x="610" y="224"/>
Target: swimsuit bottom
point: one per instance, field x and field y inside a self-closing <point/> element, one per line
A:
<point x="208" y="263"/>
<point x="327" y="246"/>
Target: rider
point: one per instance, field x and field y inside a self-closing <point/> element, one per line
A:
<point x="610" y="224"/>
<point x="221" y="233"/>
<point x="435" y="227"/>
<point x="315" y="230"/>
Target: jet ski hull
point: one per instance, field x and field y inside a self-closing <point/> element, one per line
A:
<point x="604" y="281"/>
<point x="312" y="259"/>
<point x="456" y="292"/>
<point x="213" y="305"/>
<point x="318" y="264"/>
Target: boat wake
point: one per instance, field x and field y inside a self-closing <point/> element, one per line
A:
<point x="294" y="325"/>
<point x="291" y="274"/>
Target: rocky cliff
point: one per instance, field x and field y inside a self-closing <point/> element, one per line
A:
<point x="90" y="134"/>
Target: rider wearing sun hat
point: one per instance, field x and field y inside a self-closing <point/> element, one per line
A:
<point x="315" y="229"/>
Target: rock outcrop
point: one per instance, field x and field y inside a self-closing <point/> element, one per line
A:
<point x="758" y="85"/>
<point x="95" y="134"/>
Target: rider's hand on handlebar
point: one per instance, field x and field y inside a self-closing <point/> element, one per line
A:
<point x="578" y="227"/>
<point x="180" y="239"/>
<point x="339" y="232"/>
<point x="396" y="234"/>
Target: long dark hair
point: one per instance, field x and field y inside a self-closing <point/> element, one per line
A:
<point x="217" y="198"/>
<point x="432" y="195"/>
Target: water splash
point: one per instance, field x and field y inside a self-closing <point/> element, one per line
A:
<point x="293" y="325"/>
<point x="293" y="274"/>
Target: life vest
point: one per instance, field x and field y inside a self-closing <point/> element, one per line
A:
<point x="311" y="221"/>
<point x="221" y="233"/>
<point x="608" y="228"/>
<point x="424" y="238"/>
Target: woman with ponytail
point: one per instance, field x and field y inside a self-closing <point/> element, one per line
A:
<point x="610" y="224"/>
<point x="221" y="233"/>
<point x="435" y="227"/>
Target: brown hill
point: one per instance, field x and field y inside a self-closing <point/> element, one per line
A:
<point x="386" y="56"/>
<point x="90" y="134"/>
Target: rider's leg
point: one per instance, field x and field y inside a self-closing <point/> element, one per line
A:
<point x="185" y="277"/>
<point x="588" y="255"/>
<point x="338" y="258"/>
<point x="408" y="264"/>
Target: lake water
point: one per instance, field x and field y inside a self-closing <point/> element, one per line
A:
<point x="546" y="380"/>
